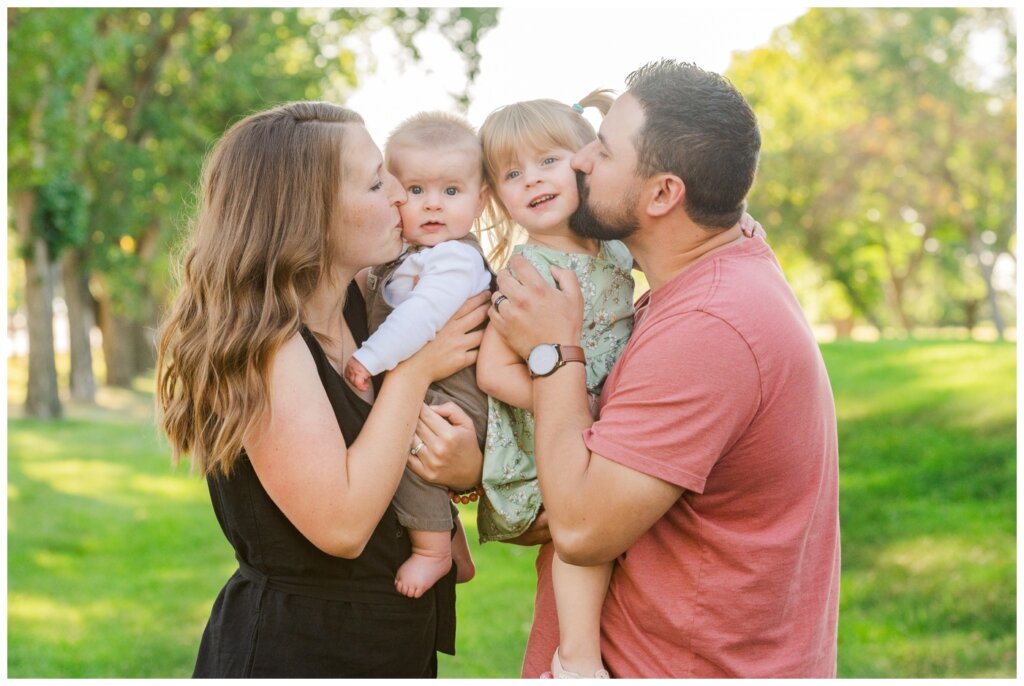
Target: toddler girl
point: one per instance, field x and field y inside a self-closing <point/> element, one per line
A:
<point x="527" y="147"/>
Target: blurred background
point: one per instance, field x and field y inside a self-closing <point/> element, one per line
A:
<point x="887" y="186"/>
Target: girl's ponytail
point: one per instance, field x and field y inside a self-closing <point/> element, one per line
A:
<point x="601" y="98"/>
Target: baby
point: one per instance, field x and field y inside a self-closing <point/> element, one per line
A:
<point x="438" y="160"/>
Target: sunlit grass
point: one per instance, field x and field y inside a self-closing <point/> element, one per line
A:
<point x="928" y="507"/>
<point x="115" y="557"/>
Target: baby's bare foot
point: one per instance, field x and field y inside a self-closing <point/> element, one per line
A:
<point x="420" y="572"/>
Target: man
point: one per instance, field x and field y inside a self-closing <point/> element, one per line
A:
<point x="711" y="476"/>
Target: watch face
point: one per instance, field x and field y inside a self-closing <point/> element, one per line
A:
<point x="543" y="359"/>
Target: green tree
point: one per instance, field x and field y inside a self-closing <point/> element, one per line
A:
<point x="126" y="102"/>
<point x="886" y="152"/>
<point x="43" y="153"/>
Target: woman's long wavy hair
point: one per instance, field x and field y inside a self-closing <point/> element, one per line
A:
<point x="260" y="245"/>
<point x="535" y="123"/>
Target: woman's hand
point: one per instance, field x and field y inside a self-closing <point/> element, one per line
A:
<point x="455" y="346"/>
<point x="450" y="455"/>
<point x="537" y="534"/>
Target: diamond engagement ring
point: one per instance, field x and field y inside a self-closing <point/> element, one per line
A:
<point x="417" y="449"/>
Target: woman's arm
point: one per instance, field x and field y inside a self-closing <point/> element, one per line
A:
<point x="502" y="374"/>
<point x="332" y="493"/>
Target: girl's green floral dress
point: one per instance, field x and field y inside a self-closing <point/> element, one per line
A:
<point x="512" y="496"/>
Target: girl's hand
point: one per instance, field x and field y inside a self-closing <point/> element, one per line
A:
<point x="455" y="346"/>
<point x="751" y="227"/>
<point x="450" y="455"/>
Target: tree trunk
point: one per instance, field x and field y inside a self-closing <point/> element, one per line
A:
<point x="80" y="322"/>
<point x="844" y="327"/>
<point x="990" y="291"/>
<point x="859" y="304"/>
<point x="118" y="345"/>
<point x="897" y="286"/>
<point x="145" y="336"/>
<point x="41" y="398"/>
<point x="970" y="315"/>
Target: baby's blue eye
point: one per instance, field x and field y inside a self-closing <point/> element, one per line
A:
<point x="415" y="190"/>
<point x="451" y="190"/>
<point x="550" y="160"/>
<point x="511" y="175"/>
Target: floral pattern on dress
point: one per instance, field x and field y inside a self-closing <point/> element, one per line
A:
<point x="511" y="493"/>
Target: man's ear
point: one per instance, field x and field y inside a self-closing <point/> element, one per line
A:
<point x="665" y="192"/>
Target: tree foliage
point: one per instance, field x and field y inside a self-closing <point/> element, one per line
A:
<point x="112" y="110"/>
<point x="889" y="156"/>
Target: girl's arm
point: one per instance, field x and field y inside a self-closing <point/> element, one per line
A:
<point x="332" y="493"/>
<point x="502" y="374"/>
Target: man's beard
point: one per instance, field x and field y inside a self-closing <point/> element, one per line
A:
<point x="584" y="222"/>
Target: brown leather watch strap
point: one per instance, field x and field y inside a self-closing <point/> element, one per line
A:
<point x="572" y="353"/>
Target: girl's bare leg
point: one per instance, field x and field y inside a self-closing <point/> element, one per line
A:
<point x="579" y="597"/>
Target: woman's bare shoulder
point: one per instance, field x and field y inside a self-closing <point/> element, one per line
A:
<point x="293" y="360"/>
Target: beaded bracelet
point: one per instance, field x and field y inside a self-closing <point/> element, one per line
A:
<point x="466" y="497"/>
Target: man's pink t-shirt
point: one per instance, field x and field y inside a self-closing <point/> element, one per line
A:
<point x="722" y="391"/>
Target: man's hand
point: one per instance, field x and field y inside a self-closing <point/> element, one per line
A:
<point x="526" y="311"/>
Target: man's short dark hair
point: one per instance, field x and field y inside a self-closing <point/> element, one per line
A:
<point x="700" y="128"/>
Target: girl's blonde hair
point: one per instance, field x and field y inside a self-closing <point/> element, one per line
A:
<point x="261" y="243"/>
<point x="533" y="123"/>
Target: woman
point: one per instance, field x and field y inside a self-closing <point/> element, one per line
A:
<point x="295" y="201"/>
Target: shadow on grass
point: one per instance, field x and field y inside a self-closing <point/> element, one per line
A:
<point x="114" y="558"/>
<point x="928" y="509"/>
<point x="105" y="579"/>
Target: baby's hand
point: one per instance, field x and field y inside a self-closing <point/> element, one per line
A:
<point x="356" y="374"/>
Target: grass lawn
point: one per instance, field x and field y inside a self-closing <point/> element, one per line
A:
<point x="114" y="558"/>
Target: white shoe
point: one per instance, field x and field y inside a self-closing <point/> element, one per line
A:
<point x="559" y="672"/>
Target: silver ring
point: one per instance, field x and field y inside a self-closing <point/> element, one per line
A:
<point x="416" y="451"/>
<point x="497" y="303"/>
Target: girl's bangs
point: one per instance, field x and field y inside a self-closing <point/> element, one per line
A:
<point x="525" y="126"/>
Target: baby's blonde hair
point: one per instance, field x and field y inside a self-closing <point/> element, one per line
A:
<point x="433" y="130"/>
<point x="535" y="123"/>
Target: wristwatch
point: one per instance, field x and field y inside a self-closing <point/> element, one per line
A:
<point x="547" y="357"/>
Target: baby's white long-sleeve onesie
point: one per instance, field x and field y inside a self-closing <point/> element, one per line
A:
<point x="448" y="274"/>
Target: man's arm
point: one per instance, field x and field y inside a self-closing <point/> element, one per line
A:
<point x="662" y="432"/>
<point x="596" y="507"/>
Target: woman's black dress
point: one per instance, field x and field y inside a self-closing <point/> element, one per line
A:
<point x="292" y="610"/>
